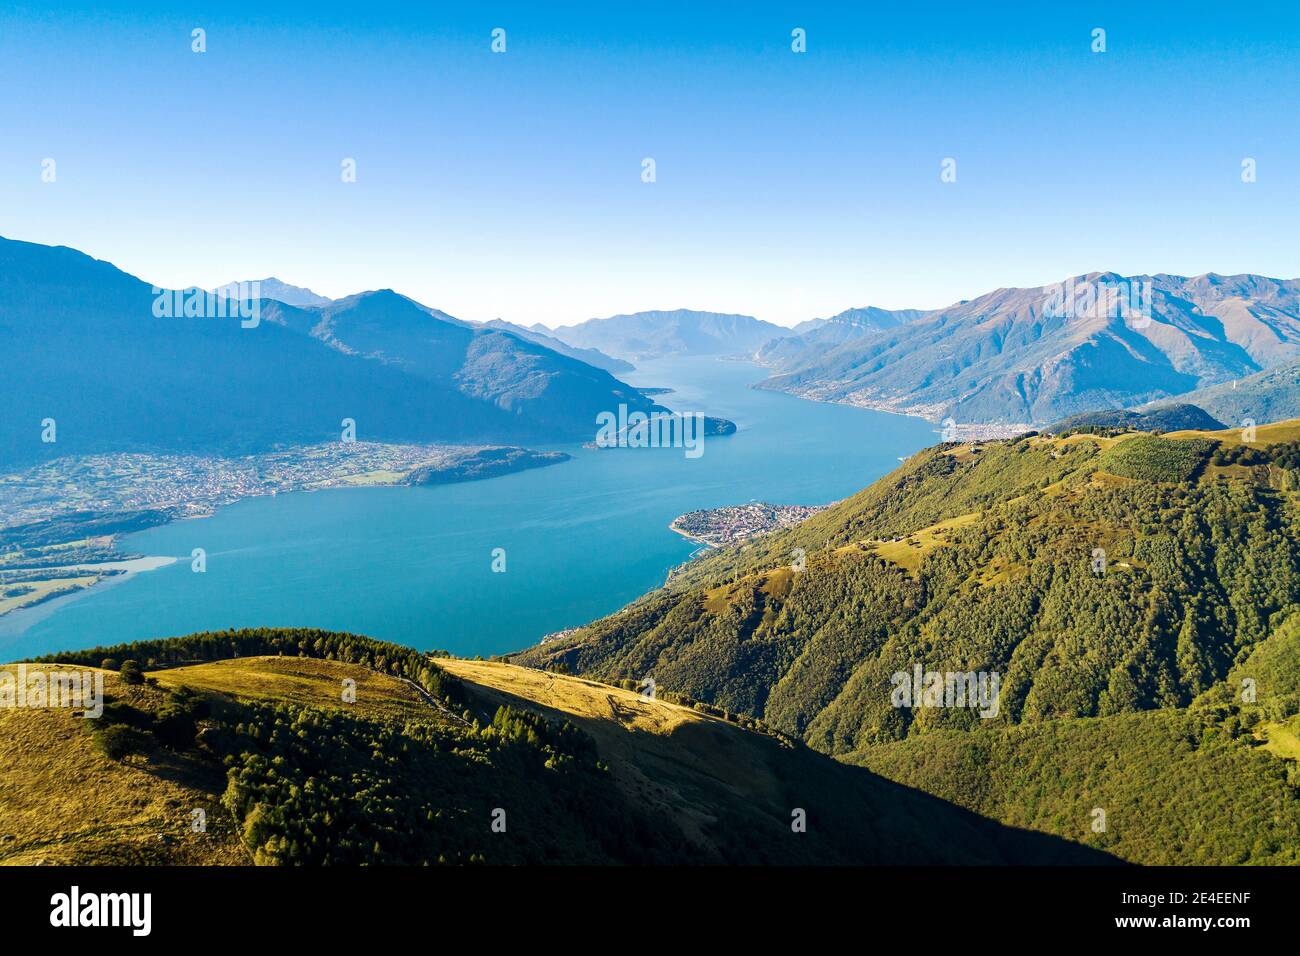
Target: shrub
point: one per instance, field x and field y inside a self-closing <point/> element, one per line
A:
<point x="131" y="673"/>
<point x="119" y="740"/>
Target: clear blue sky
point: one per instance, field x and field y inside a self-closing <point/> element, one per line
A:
<point x="788" y="185"/>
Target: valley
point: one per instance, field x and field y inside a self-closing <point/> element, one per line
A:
<point x="400" y="561"/>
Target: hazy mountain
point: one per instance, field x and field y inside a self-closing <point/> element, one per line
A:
<point x="593" y="357"/>
<point x="1262" y="397"/>
<point x="1015" y="355"/>
<point x="273" y="288"/>
<point x="647" y="335"/>
<point x="816" y="337"/>
<point x="1167" y="418"/>
<point x="287" y="294"/>
<point x="527" y="380"/>
<point x="807" y="325"/>
<point x="80" y="344"/>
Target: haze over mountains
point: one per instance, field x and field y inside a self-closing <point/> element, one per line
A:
<point x="299" y="296"/>
<point x="273" y="288"/>
<point x="542" y="336"/>
<point x="649" y="335"/>
<point x="80" y="344"/>
<point x="816" y="337"/>
<point x="1010" y="356"/>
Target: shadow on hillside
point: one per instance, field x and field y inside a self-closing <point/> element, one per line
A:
<point x="740" y="793"/>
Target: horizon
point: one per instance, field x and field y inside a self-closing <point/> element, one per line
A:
<point x="787" y="185"/>
<point x="681" y="308"/>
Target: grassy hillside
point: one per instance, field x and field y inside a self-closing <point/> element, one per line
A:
<point x="62" y="801"/>
<point x="410" y="760"/>
<point x="981" y="558"/>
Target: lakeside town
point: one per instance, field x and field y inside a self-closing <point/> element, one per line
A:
<point x="196" y="485"/>
<point x="59" y="521"/>
<point x="719" y="527"/>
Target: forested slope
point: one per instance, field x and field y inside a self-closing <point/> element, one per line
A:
<point x="310" y="747"/>
<point x="1116" y="585"/>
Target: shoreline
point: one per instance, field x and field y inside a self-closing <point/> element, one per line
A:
<point x="730" y="525"/>
<point x="54" y="583"/>
<point x="672" y="526"/>
<point x="700" y="545"/>
<point x="106" y="572"/>
<point x="983" y="431"/>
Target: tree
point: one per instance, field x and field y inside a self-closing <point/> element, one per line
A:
<point x="131" y="673"/>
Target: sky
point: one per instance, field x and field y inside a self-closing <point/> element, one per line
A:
<point x="786" y="185"/>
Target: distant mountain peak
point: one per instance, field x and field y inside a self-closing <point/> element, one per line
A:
<point x="274" y="289"/>
<point x="657" y="333"/>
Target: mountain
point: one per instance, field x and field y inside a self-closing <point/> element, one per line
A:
<point x="80" y="344"/>
<point x="1038" y="355"/>
<point x="593" y="357"/>
<point x="807" y="325"/>
<point x="1263" y="397"/>
<point x="553" y="393"/>
<point x="649" y="335"/>
<point x="815" y="338"/>
<point x="459" y="761"/>
<point x="1168" y="418"/>
<point x="273" y="289"/>
<point x="1118" y="588"/>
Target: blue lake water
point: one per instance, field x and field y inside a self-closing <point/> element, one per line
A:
<point x="414" y="565"/>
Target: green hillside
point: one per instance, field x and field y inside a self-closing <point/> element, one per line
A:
<point x="1214" y="783"/>
<point x="980" y="558"/>
<point x="413" y="760"/>
<point x="1162" y="418"/>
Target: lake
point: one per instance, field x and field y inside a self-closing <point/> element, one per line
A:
<point x="414" y="565"/>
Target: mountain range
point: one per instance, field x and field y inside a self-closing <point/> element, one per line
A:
<point x="272" y="288"/>
<point x="297" y="295"/>
<point x="542" y="337"/>
<point x="813" y="339"/>
<point x="1016" y="356"/>
<point x="656" y="334"/>
<point x="81" y="345"/>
